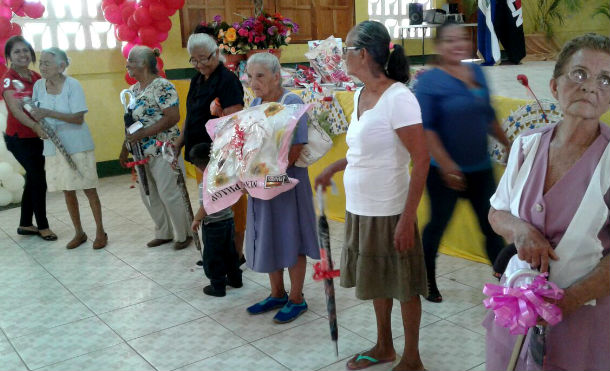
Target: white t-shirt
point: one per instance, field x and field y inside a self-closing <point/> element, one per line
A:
<point x="376" y="178"/>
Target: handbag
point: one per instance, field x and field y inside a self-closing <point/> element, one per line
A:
<point x="318" y="142"/>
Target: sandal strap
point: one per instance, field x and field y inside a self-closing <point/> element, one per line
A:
<point x="367" y="358"/>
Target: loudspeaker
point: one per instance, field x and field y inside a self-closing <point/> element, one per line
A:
<point x="416" y="13"/>
<point x="453" y="9"/>
<point x="434" y="16"/>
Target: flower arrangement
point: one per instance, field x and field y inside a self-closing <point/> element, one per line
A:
<point x="267" y="31"/>
<point x="226" y="35"/>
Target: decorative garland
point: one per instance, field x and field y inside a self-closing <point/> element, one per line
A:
<point x="142" y="22"/>
<point x="22" y="8"/>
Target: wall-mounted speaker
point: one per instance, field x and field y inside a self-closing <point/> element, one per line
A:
<point x="416" y="13"/>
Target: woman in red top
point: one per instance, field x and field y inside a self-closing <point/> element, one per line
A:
<point x="23" y="138"/>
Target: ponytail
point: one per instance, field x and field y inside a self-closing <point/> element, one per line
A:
<point x="398" y="65"/>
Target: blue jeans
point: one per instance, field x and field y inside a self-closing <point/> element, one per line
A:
<point x="220" y="259"/>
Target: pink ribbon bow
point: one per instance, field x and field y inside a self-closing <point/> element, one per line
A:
<point x="321" y="269"/>
<point x="518" y="308"/>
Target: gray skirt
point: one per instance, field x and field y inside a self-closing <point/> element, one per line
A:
<point x="370" y="262"/>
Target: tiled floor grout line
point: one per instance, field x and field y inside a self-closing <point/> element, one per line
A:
<point x="14" y="349"/>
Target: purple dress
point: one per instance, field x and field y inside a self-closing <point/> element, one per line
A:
<point x="581" y="341"/>
<point x="281" y="229"/>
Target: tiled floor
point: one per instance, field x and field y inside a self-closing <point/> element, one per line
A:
<point x="129" y="307"/>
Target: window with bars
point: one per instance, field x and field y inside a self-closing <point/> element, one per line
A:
<point x="394" y="14"/>
<point x="69" y="25"/>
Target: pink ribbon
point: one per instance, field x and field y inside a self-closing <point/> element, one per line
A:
<point x="518" y="308"/>
<point x="143" y="161"/>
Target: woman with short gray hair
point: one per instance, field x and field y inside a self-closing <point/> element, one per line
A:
<point x="62" y="104"/>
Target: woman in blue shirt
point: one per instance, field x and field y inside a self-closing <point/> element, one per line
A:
<point x="457" y="117"/>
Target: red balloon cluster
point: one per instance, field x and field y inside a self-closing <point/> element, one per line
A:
<point x="23" y="8"/>
<point x="143" y="22"/>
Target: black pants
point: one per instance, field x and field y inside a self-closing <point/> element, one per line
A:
<point x="220" y="259"/>
<point x="28" y="152"/>
<point x="480" y="187"/>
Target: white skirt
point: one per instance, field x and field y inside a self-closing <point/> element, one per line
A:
<point x="61" y="177"/>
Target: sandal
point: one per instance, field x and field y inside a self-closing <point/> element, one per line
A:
<point x="48" y="237"/>
<point x="24" y="231"/>
<point x="100" y="243"/>
<point x="77" y="241"/>
<point x="371" y="362"/>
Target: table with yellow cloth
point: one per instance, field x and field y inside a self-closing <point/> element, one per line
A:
<point x="462" y="238"/>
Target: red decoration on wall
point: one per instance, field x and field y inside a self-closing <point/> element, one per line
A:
<point x="30" y="8"/>
<point x="145" y="22"/>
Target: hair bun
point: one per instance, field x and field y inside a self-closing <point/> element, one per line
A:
<point x="156" y="52"/>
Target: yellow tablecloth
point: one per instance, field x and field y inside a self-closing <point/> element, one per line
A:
<point x="463" y="237"/>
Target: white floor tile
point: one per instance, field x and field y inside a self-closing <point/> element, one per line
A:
<point x="244" y="358"/>
<point x="119" y="357"/>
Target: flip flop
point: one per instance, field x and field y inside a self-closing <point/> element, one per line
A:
<point x="372" y="362"/>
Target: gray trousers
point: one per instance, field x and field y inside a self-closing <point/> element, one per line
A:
<point x="164" y="203"/>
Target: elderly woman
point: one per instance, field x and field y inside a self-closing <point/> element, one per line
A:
<point x="61" y="102"/>
<point x="554" y="203"/>
<point x="213" y="84"/>
<point x="22" y="138"/>
<point x="457" y="117"/>
<point x="383" y="256"/>
<point x="156" y="107"/>
<point x="281" y="232"/>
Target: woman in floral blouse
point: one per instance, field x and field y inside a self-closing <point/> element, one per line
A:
<point x="156" y="107"/>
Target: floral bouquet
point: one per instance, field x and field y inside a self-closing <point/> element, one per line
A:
<point x="266" y="31"/>
<point x="229" y="41"/>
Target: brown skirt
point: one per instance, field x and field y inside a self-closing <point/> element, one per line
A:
<point x="370" y="262"/>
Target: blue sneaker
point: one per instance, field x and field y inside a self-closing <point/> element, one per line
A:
<point x="270" y="303"/>
<point x="290" y="312"/>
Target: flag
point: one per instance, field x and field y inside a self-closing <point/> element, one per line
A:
<point x="508" y="22"/>
<point x="487" y="41"/>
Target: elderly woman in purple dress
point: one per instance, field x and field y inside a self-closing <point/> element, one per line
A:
<point x="281" y="232"/>
<point x="553" y="202"/>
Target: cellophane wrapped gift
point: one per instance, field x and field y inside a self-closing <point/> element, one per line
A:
<point x="250" y="153"/>
<point x="326" y="60"/>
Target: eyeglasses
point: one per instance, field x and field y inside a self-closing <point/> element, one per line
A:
<point x="194" y="62"/>
<point x="345" y="49"/>
<point x="579" y="76"/>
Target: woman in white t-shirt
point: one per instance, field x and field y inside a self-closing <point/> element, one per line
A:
<point x="383" y="256"/>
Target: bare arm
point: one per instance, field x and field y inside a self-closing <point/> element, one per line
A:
<point x="232" y="109"/>
<point x="595" y="285"/>
<point x="171" y="116"/>
<point x="294" y="153"/>
<point x="73" y="118"/>
<point x="325" y="176"/>
<point x="531" y="245"/>
<point x="413" y="138"/>
<point x="198" y="218"/>
<point x="14" y="105"/>
<point x="450" y="171"/>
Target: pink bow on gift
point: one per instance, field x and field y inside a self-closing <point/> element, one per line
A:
<point x="518" y="308"/>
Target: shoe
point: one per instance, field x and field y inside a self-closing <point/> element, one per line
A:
<point x="23" y="231"/>
<point x="290" y="312"/>
<point x="242" y="260"/>
<point x="158" y="242"/>
<point x="212" y="291"/>
<point x="199" y="263"/>
<point x="184" y="244"/>
<point x="100" y="243"/>
<point x="76" y="241"/>
<point x="433" y="294"/>
<point x="50" y="236"/>
<point x="236" y="283"/>
<point x="270" y="303"/>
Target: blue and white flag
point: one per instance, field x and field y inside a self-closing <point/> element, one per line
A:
<point x="487" y="41"/>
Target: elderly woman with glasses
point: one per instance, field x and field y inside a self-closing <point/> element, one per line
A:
<point x="156" y="107"/>
<point x="213" y="84"/>
<point x="553" y="202"/>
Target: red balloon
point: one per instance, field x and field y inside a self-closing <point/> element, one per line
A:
<point x="131" y="23"/>
<point x="127" y="10"/>
<point x="14" y="3"/>
<point x="124" y="33"/>
<point x="5" y="28"/>
<point x="105" y="4"/>
<point x="19" y="11"/>
<point x="174" y="4"/>
<point x="162" y="74"/>
<point x="33" y="10"/>
<point x="119" y="2"/>
<point x="130" y="80"/>
<point x="127" y="48"/>
<point x="142" y="16"/>
<point x="163" y="25"/>
<point x="15" y="29"/>
<point x="5" y="12"/>
<point x="160" y="63"/>
<point x="162" y="36"/>
<point x="148" y="35"/>
<point x="113" y="14"/>
<point x="158" y="11"/>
